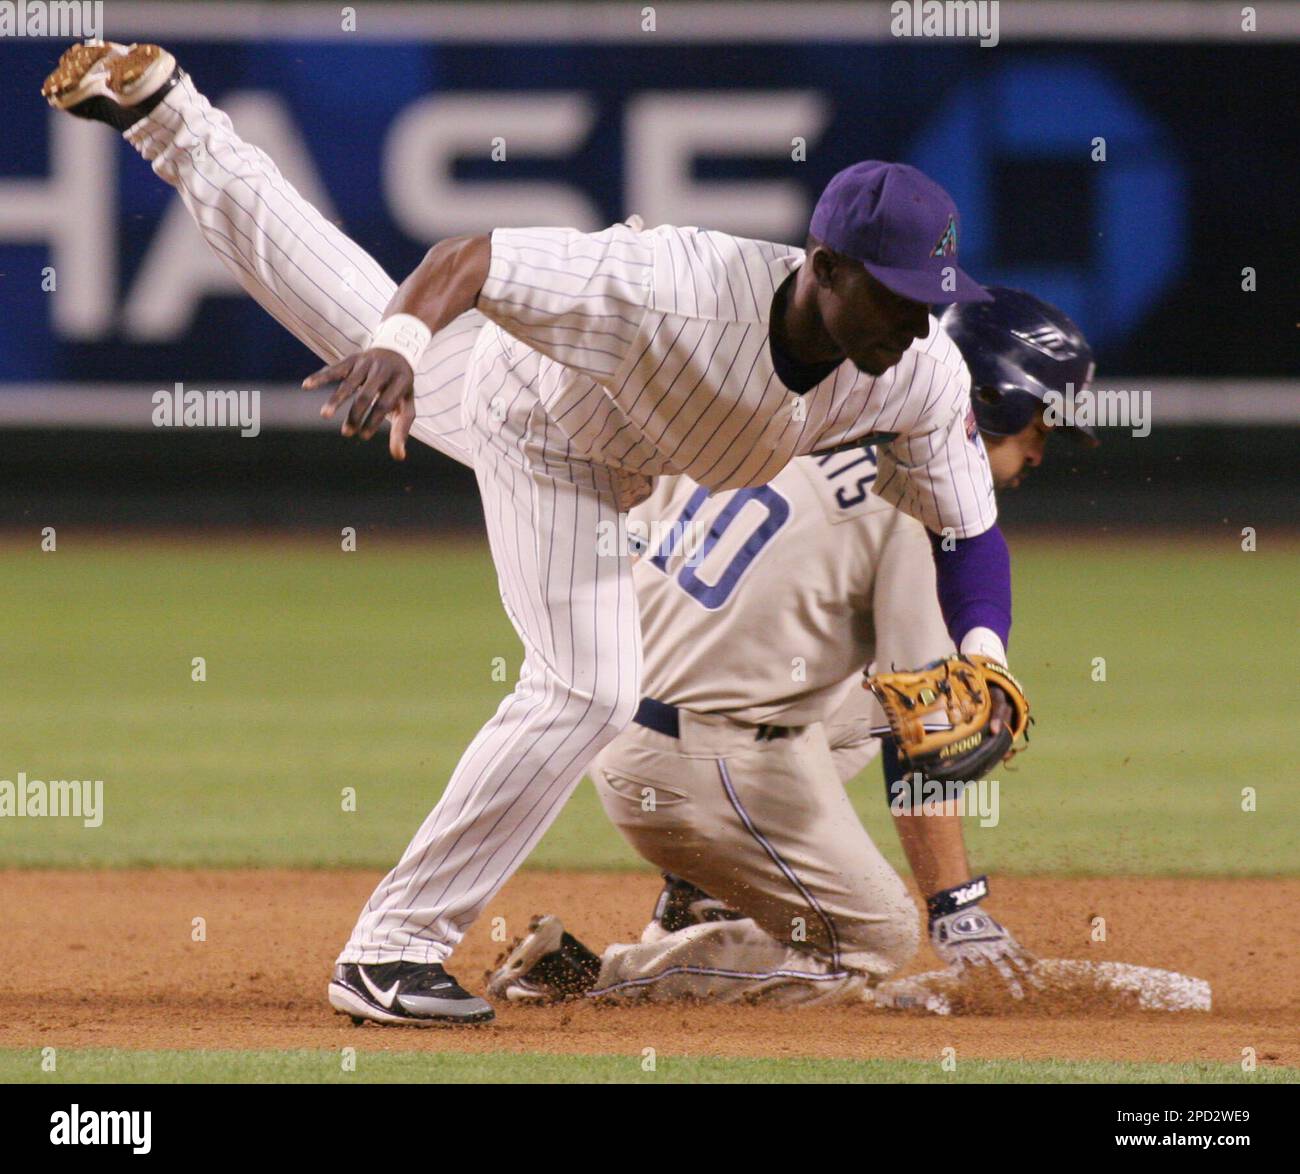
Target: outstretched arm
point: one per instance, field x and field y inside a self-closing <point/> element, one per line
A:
<point x="961" y="932"/>
<point x="973" y="579"/>
<point x="380" y="380"/>
<point x="446" y="283"/>
<point x="934" y="845"/>
<point x="577" y="298"/>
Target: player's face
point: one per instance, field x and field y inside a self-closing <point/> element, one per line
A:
<point x="870" y="324"/>
<point x="1011" y="457"/>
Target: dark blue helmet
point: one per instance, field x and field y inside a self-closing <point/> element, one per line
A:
<point x="1018" y="349"/>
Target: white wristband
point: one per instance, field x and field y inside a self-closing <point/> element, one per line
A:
<point x="984" y="642"/>
<point x="405" y="334"/>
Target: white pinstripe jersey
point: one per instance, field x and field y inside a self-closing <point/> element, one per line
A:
<point x="651" y="354"/>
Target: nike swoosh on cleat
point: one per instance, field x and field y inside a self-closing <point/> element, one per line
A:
<point x="383" y="998"/>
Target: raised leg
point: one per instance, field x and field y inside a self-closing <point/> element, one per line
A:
<point x="307" y="274"/>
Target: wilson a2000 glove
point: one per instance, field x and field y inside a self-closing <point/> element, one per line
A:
<point x="955" y="719"/>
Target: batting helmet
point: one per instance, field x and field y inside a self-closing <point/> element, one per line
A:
<point x="1018" y="348"/>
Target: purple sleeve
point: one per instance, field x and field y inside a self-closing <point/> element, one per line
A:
<point x="974" y="580"/>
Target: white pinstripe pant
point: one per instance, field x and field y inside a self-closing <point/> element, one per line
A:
<point x="573" y="607"/>
<point x="575" y="611"/>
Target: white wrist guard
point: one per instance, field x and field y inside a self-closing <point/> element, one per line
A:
<point x="985" y="642"/>
<point x="405" y="334"/>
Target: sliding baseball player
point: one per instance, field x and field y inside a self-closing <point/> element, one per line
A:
<point x="571" y="370"/>
<point x="757" y="625"/>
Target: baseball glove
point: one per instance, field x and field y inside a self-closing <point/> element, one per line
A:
<point x="942" y="716"/>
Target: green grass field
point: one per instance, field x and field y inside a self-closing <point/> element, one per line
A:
<point x="113" y="1066"/>
<point x="371" y="670"/>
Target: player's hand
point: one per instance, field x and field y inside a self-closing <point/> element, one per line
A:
<point x="381" y="386"/>
<point x="1001" y="709"/>
<point x="970" y="937"/>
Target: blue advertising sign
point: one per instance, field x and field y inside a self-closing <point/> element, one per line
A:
<point x="1131" y="183"/>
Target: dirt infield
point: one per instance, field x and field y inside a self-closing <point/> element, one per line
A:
<point x="106" y="959"/>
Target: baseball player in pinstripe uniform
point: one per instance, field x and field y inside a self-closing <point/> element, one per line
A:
<point x="757" y="627"/>
<point x="572" y="369"/>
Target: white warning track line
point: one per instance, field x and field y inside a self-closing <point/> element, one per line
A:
<point x="1178" y="402"/>
<point x="129" y="406"/>
<point x="1220" y="401"/>
<point x="733" y="22"/>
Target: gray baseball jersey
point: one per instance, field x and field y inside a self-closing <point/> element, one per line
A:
<point x="757" y="603"/>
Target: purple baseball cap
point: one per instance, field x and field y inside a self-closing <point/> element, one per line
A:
<point x="902" y="226"/>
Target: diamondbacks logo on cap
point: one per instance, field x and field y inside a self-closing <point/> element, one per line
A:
<point x="947" y="246"/>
